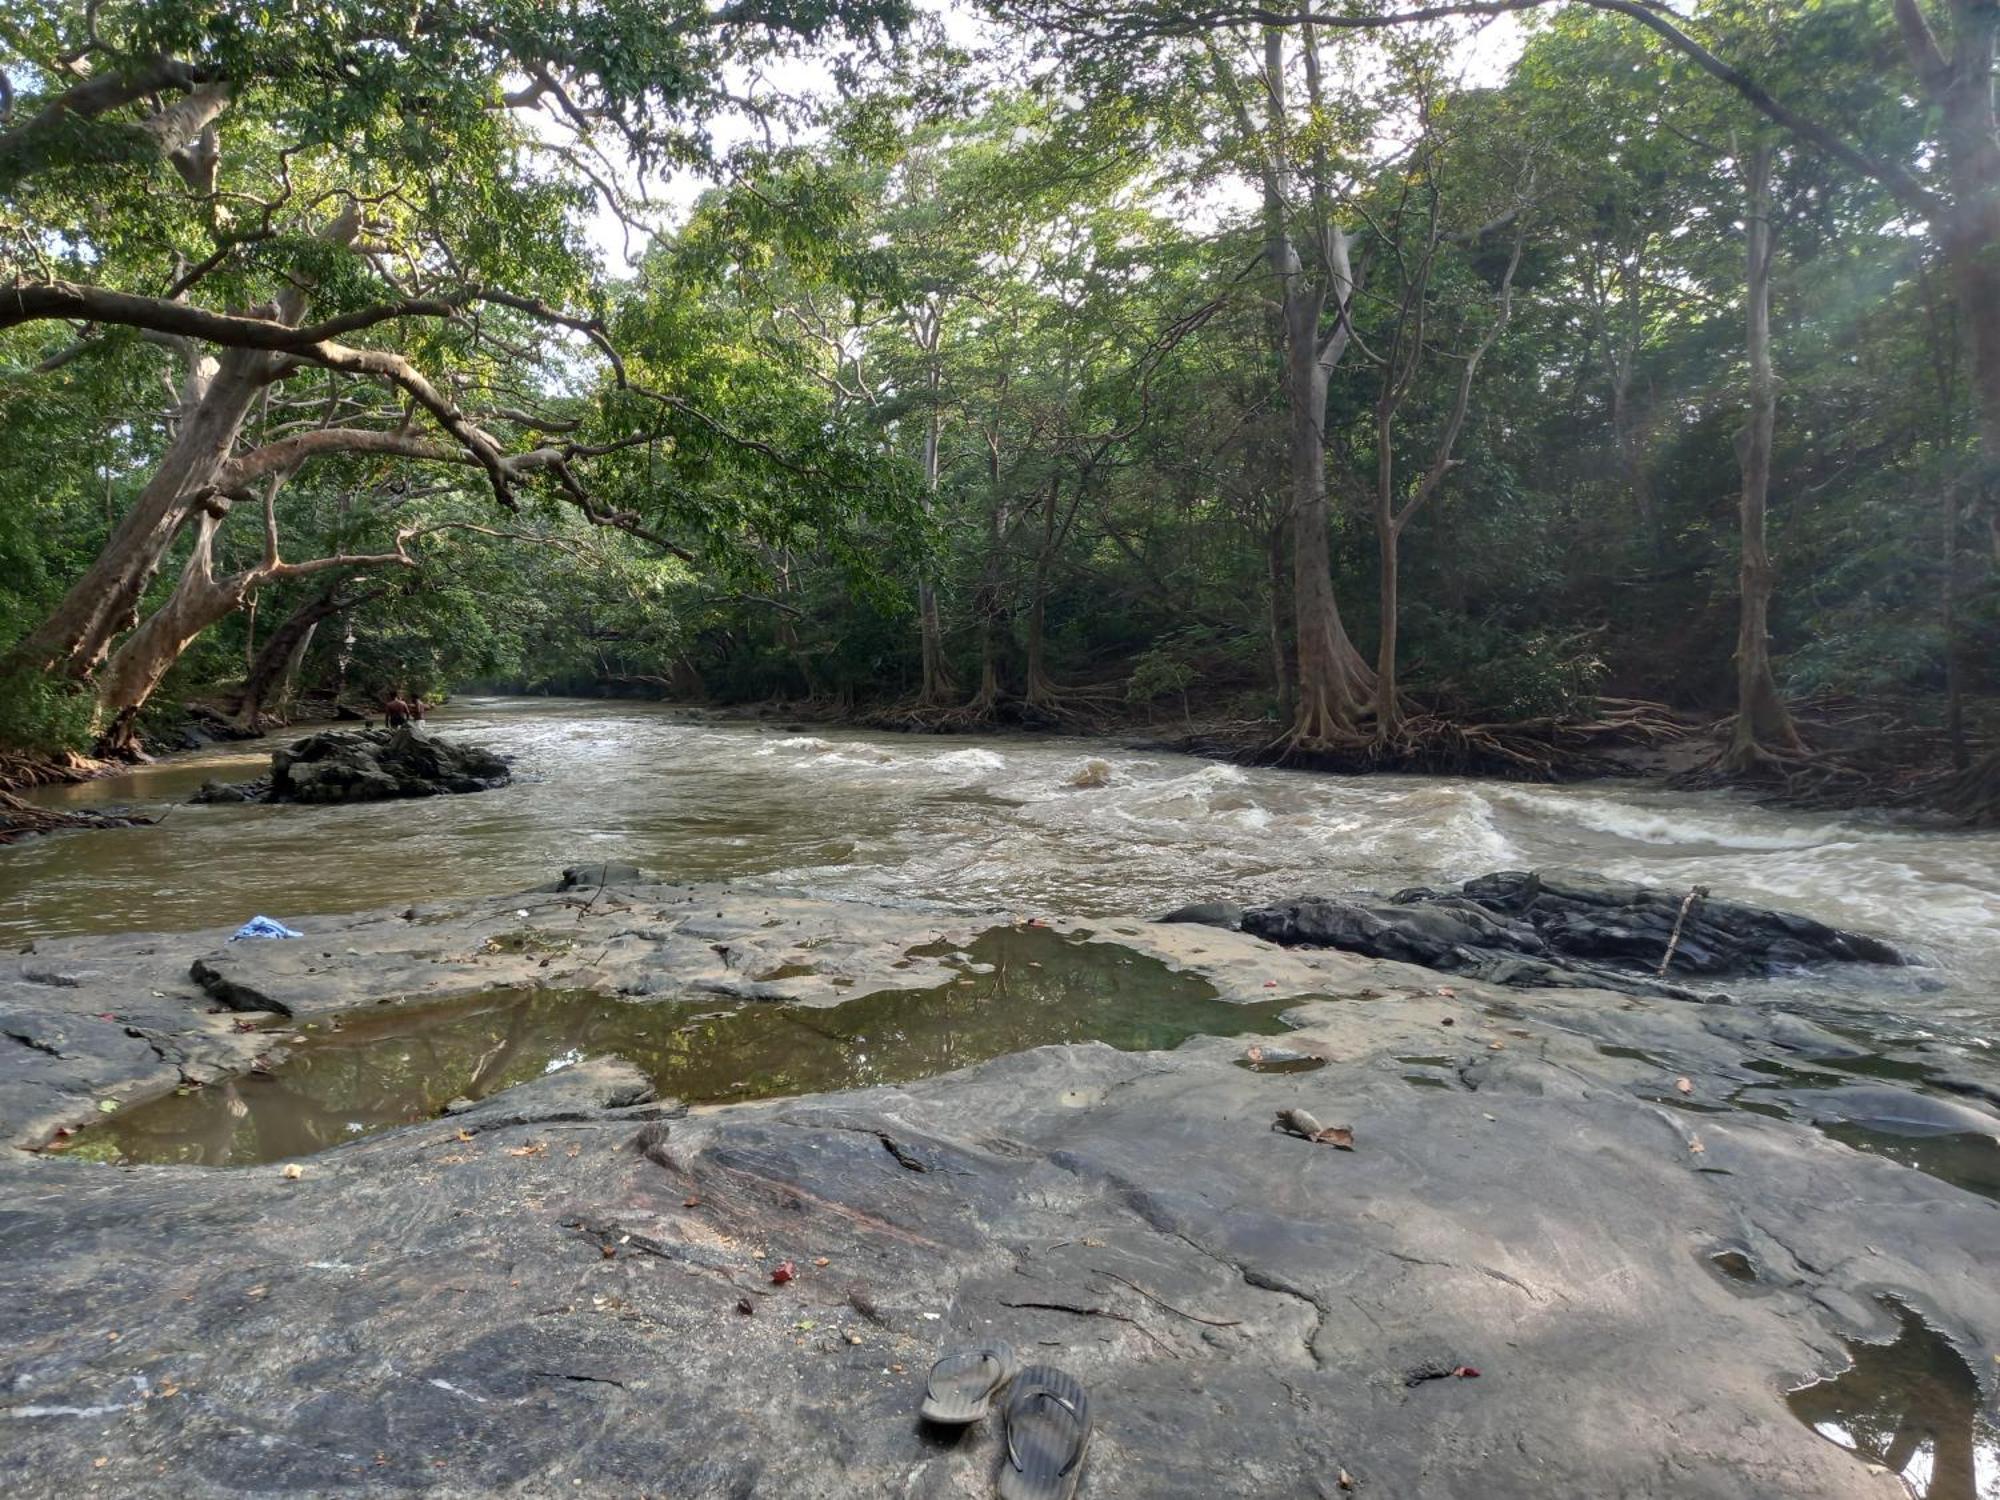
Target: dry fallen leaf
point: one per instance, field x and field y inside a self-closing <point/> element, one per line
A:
<point x="821" y="1260"/>
<point x="1337" y="1136"/>
<point x="465" y="1135"/>
<point x="98" y="1463"/>
<point x="293" y="1171"/>
<point x="532" y="1150"/>
<point x="1346" y="1480"/>
<point x="1496" y="1046"/>
<point x="690" y="1203"/>
<point x="1685" y="1085"/>
<point x="783" y="1273"/>
<point x="1695" y="1145"/>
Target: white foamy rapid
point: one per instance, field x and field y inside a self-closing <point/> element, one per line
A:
<point x="1026" y="825"/>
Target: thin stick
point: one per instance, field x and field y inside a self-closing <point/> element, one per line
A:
<point x="1195" y="1317"/>
<point x="1695" y="893"/>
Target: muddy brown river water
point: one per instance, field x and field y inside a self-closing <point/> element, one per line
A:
<point x="995" y="824"/>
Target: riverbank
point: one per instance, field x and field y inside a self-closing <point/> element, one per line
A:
<point x="1566" y="1191"/>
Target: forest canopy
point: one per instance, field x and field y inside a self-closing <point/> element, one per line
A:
<point x="1345" y="377"/>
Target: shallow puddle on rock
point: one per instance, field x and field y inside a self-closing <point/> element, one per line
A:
<point x="1914" y="1407"/>
<point x="1968" y="1161"/>
<point x="1735" y="1266"/>
<point x="1964" y="1159"/>
<point x="391" y="1065"/>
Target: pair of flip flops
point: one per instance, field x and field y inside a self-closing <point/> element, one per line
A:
<point x="1046" y="1417"/>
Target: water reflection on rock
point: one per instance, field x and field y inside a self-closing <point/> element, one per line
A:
<point x="1014" y="988"/>
<point x="1912" y="1406"/>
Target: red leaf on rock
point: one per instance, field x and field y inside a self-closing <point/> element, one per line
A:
<point x="784" y="1273"/>
<point x="1465" y="1372"/>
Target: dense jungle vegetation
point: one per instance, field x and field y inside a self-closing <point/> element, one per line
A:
<point x="1345" y="377"/>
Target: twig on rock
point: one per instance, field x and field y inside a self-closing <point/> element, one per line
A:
<point x="1695" y="893"/>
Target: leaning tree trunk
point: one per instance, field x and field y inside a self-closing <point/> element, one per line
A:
<point x="77" y="634"/>
<point x="278" y="658"/>
<point x="145" y="656"/>
<point x="1762" y="722"/>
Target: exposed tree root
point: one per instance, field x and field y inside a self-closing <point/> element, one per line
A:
<point x="1084" y="709"/>
<point x="19" y="772"/>
<point x="1545" y="749"/>
<point x="20" y="820"/>
<point x="1865" y="756"/>
<point x="1970" y="797"/>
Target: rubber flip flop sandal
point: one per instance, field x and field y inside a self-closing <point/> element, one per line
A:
<point x="1048" y="1434"/>
<point x="964" y="1382"/>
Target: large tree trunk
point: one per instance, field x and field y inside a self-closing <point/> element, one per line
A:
<point x="217" y="396"/>
<point x="278" y="658"/>
<point x="988" y="605"/>
<point x="1274" y="619"/>
<point x="1962" y="88"/>
<point x="104" y="601"/>
<point x="1762" y="722"/>
<point x="1334" y="683"/>
<point x="936" y="688"/>
<point x="145" y="656"/>
<point x="1388" y="715"/>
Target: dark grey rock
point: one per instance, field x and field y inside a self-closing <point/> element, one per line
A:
<point x="1207" y="914"/>
<point x="367" y="765"/>
<point x="587" y="877"/>
<point x="233" y="791"/>
<point x="1557" y="928"/>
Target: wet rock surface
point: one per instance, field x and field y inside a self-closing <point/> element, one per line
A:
<point x="540" y="1294"/>
<point x="366" y="765"/>
<point x="1558" y="928"/>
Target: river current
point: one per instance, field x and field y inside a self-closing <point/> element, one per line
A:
<point x="1027" y="826"/>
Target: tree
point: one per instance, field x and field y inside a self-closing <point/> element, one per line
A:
<point x="403" y="237"/>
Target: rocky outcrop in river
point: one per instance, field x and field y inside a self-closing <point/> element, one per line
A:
<point x="1556" y="928"/>
<point x="569" y="1288"/>
<point x="367" y="765"/>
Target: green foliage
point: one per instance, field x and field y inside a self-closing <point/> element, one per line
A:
<point x="43" y="717"/>
<point x="1018" y="344"/>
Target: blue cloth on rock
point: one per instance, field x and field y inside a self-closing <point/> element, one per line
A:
<point x="263" y="927"/>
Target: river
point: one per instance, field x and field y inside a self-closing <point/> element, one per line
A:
<point x="994" y="823"/>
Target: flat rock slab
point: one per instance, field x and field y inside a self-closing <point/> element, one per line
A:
<point x="458" y="1309"/>
<point x="93" y="1020"/>
<point x="542" y="1295"/>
